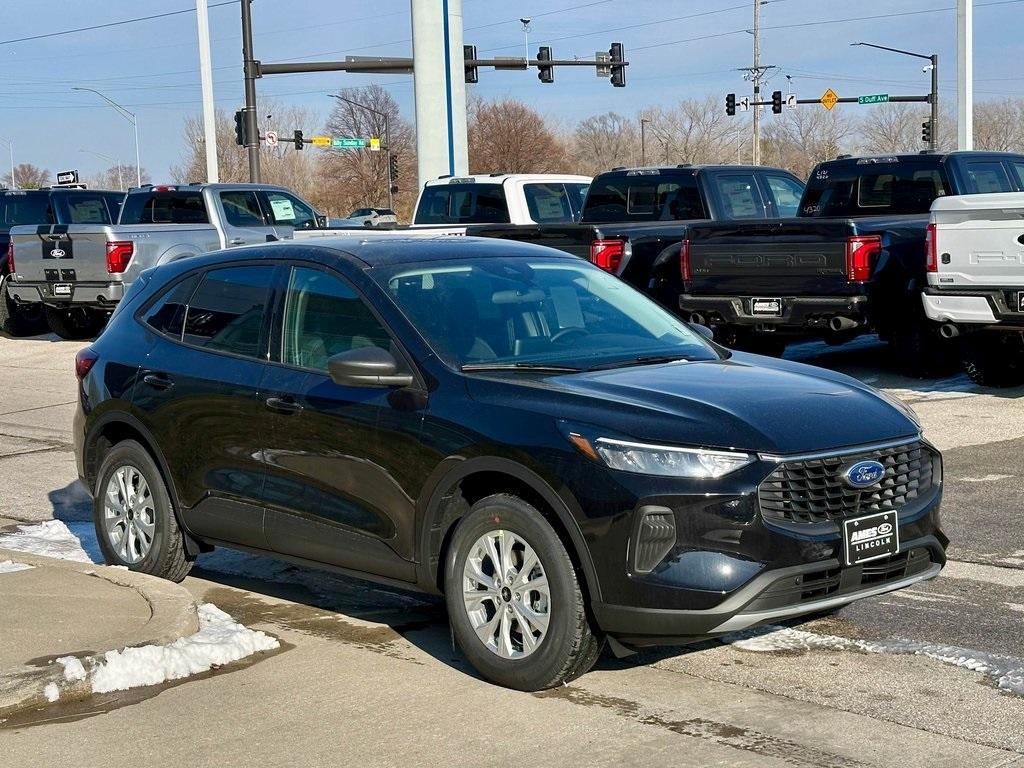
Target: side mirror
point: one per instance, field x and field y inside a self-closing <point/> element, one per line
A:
<point x="703" y="330"/>
<point x="321" y="221"/>
<point x="367" y="367"/>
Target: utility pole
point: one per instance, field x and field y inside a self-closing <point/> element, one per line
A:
<point x="10" y="148"/>
<point x="965" y="74"/>
<point x="643" y="140"/>
<point x="755" y="75"/>
<point x="252" y="130"/>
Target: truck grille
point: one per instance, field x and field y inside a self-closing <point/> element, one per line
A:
<point x="813" y="491"/>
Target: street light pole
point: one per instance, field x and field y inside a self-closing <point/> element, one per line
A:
<point x="933" y="99"/>
<point x="387" y="139"/>
<point x="10" y="148"/>
<point x="127" y="115"/>
<point x="643" y="140"/>
<point x="109" y="159"/>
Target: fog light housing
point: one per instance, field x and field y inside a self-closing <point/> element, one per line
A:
<point x="654" y="536"/>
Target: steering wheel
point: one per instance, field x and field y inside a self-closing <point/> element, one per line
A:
<point x="557" y="337"/>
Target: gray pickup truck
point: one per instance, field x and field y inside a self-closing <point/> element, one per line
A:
<point x="79" y="272"/>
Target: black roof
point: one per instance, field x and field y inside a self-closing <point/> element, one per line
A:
<point x="682" y="168"/>
<point x="914" y="157"/>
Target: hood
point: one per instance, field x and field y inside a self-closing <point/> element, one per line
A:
<point x="746" y="402"/>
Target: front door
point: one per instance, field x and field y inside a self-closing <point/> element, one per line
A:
<point x="244" y="220"/>
<point x="330" y="490"/>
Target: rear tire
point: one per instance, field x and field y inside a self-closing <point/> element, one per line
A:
<point x="994" y="359"/>
<point x="136" y="525"/>
<point x="19" y="319"/>
<point x="74" y="323"/>
<point x="921" y="352"/>
<point x="563" y="645"/>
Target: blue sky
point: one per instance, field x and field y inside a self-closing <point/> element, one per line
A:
<point x="152" y="66"/>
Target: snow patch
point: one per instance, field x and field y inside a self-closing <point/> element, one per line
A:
<point x="73" y="668"/>
<point x="9" y="566"/>
<point x="985" y="478"/>
<point x="1006" y="671"/>
<point x="220" y="640"/>
<point x="54" y="538"/>
<point x="51" y="692"/>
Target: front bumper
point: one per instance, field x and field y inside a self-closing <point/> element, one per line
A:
<point x="978" y="307"/>
<point x="800" y="314"/>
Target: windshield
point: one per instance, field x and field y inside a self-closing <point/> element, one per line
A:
<point x="500" y="311"/>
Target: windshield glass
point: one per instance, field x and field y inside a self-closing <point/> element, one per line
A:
<point x="530" y="311"/>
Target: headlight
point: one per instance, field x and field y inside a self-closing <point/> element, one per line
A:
<point x="667" y="461"/>
<point x="900" y="406"/>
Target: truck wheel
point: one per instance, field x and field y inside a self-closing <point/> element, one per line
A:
<point x="920" y="351"/>
<point x="73" y="323"/>
<point x="135" y="521"/>
<point x="19" y="319"/>
<point x="994" y="360"/>
<point x="514" y="598"/>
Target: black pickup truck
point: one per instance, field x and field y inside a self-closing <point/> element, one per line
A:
<point x="54" y="205"/>
<point x="852" y="261"/>
<point x="633" y="219"/>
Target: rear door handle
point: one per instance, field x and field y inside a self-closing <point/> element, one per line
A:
<point x="282" y="404"/>
<point x="158" y="380"/>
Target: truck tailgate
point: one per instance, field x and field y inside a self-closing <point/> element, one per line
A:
<point x="979" y="241"/>
<point x="571" y="238"/>
<point x="793" y="256"/>
<point x="61" y="253"/>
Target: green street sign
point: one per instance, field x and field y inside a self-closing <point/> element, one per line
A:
<point x="344" y="143"/>
<point x="875" y="98"/>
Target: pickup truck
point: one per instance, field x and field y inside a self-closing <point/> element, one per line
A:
<point x="79" y="272"/>
<point x="851" y="262"/>
<point x="975" y="290"/>
<point x="48" y="206"/>
<point x="633" y="219"/>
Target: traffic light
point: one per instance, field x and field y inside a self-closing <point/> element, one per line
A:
<point x="545" y="72"/>
<point x="926" y="131"/>
<point x="393" y="169"/>
<point x="730" y="104"/>
<point x="618" y="67"/>
<point x="299" y="141"/>
<point x="240" y="132"/>
<point x="777" y="102"/>
<point x="472" y="73"/>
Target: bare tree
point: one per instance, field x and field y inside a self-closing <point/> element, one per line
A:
<point x="893" y="127"/>
<point x="604" y="141"/>
<point x="801" y="138"/>
<point x="117" y="177"/>
<point x="999" y="125"/>
<point x="507" y="136"/>
<point x="28" y="176"/>
<point x="349" y="179"/>
<point x="695" y="131"/>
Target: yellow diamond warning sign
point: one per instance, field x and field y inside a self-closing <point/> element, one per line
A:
<point x="829" y="99"/>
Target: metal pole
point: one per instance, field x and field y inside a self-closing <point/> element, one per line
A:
<point x="10" y="148"/>
<point x="935" y="102"/>
<point x="756" y="154"/>
<point x="965" y="74"/>
<point x="206" y="78"/>
<point x="138" y="162"/>
<point x="643" y="141"/>
<point x="127" y="115"/>
<point x="252" y="143"/>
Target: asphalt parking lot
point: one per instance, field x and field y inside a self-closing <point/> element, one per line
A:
<point x="368" y="675"/>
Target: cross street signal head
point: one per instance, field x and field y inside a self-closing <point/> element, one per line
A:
<point x="777" y="102"/>
<point x="240" y="132"/>
<point x="730" y="104"/>
<point x="472" y="73"/>
<point x="926" y="131"/>
<point x="545" y="72"/>
<point x="618" y="66"/>
<point x="300" y="143"/>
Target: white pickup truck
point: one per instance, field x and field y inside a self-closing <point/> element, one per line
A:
<point x="976" y="282"/>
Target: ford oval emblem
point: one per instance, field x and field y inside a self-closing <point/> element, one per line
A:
<point x="57" y="253"/>
<point x="864" y="474"/>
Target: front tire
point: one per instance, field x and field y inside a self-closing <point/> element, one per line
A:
<point x="514" y="598"/>
<point x="73" y="323"/>
<point x="135" y="521"/>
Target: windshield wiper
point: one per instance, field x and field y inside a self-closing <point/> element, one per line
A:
<point x="642" y="360"/>
<point x="545" y="367"/>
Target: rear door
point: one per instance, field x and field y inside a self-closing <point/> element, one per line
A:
<point x="197" y="394"/>
<point x="979" y="241"/>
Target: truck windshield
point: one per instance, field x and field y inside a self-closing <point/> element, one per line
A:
<point x="643" y="196"/>
<point x="875" y="189"/>
<point x="19" y="207"/>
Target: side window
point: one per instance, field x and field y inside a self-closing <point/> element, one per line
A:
<point x="548" y="203"/>
<point x="988" y="176"/>
<point x="1018" y="171"/>
<point x="226" y="313"/>
<point x="785" y="193"/>
<point x="287" y="210"/>
<point x="433" y="205"/>
<point x="167" y="315"/>
<point x="323" y="316"/>
<point x="242" y="209"/>
<point x="740" y="197"/>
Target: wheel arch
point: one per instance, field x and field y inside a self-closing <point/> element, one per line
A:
<point x="462" y="482"/>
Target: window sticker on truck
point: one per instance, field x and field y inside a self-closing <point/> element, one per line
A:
<point x="283" y="209"/>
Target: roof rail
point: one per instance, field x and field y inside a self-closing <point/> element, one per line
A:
<point x="684" y="165"/>
<point x="845" y="156"/>
<point x="619" y="168"/>
<point x="928" y="152"/>
<point x="445" y="176"/>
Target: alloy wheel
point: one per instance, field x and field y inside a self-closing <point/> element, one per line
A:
<point x="128" y="514"/>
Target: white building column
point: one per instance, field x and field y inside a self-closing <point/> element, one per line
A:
<point x="965" y="74"/>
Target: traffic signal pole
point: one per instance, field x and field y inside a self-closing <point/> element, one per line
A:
<point x="252" y="130"/>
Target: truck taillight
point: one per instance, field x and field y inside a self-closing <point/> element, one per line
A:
<point x="84" y="361"/>
<point x="931" y="249"/>
<point x="607" y="254"/>
<point x="119" y="253"/>
<point x="861" y="253"/>
<point x="10" y="258"/>
<point x="684" y="260"/>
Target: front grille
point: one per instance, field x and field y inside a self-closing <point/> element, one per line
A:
<point x="813" y="491"/>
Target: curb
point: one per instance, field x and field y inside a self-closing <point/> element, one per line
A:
<point x="172" y="615"/>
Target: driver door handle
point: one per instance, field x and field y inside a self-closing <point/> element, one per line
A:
<point x="282" y="404"/>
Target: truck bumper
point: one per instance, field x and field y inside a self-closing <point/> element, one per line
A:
<point x="104" y="295"/>
<point x="1003" y="307"/>
<point x="798" y="315"/>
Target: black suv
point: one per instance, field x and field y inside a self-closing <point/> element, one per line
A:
<point x="503" y="424"/>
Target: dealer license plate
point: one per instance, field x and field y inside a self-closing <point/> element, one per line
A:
<point x="766" y="307"/>
<point x="870" y="537"/>
<point x="62" y="289"/>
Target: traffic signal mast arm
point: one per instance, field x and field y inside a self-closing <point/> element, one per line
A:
<point x="843" y="100"/>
